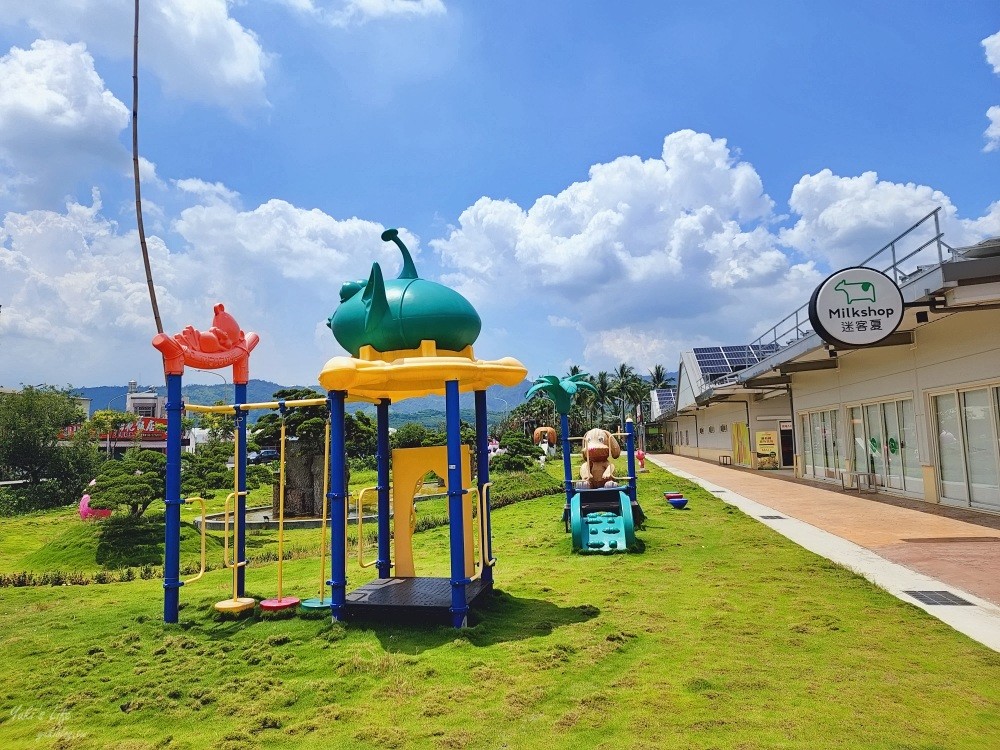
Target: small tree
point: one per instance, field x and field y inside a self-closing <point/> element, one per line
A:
<point x="35" y="446"/>
<point x="132" y="484"/>
<point x="521" y="453"/>
<point x="107" y="422"/>
<point x="221" y="427"/>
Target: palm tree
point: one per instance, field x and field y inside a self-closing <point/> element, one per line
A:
<point x="624" y="387"/>
<point x="602" y="392"/>
<point x="658" y="378"/>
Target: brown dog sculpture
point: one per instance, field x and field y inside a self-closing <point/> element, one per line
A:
<point x="599" y="447"/>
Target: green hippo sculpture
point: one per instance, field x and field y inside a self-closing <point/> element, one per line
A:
<point x="400" y="313"/>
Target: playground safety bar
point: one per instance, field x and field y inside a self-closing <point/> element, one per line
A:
<point x="484" y="560"/>
<point x="291" y="404"/>
<point x="361" y="520"/>
<point x="326" y="513"/>
<point x="225" y="533"/>
<point x="204" y="527"/>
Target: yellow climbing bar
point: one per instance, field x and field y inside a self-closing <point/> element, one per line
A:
<point x="361" y="520"/>
<point x="204" y="525"/>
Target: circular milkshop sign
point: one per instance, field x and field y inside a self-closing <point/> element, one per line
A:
<point x="856" y="307"/>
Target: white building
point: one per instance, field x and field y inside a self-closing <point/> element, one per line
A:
<point x="917" y="415"/>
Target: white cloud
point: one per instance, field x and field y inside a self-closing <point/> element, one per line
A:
<point x="194" y="47"/>
<point x="147" y="173"/>
<point x="76" y="307"/>
<point x="992" y="133"/>
<point x="992" y="46"/>
<point x="844" y="220"/>
<point x="347" y="12"/>
<point x="634" y="264"/>
<point x="75" y="298"/>
<point x="212" y="193"/>
<point x="58" y="121"/>
<point x="642" y="249"/>
<point x="632" y="230"/>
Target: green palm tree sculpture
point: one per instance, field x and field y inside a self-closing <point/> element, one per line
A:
<point x="561" y="390"/>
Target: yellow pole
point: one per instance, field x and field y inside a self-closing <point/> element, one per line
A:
<point x="326" y="489"/>
<point x="281" y="509"/>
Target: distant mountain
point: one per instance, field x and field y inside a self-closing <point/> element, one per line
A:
<point x="428" y="410"/>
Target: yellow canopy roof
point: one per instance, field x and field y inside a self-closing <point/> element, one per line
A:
<point x="410" y="373"/>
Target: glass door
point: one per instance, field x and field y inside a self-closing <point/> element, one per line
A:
<point x="950" y="450"/>
<point x="981" y="449"/>
<point x="892" y="450"/>
<point x="876" y="441"/>
<point x="830" y="443"/>
<point x="858" y="451"/>
<point x="913" y="475"/>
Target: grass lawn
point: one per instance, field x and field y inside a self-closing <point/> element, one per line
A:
<point x="718" y="634"/>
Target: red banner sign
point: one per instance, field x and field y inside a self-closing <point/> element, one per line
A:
<point x="145" y="428"/>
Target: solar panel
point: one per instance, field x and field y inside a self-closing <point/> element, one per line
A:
<point x="666" y="398"/>
<point x="718" y="361"/>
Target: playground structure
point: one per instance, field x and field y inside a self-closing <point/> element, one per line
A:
<point x="430" y="330"/>
<point x="602" y="518"/>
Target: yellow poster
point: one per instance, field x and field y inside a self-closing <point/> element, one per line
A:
<point x="740" y="433"/>
<point x="767" y="450"/>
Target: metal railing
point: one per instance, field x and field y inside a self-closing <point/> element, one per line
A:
<point x="796" y="326"/>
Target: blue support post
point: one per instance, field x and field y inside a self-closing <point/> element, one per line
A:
<point x="337" y="497"/>
<point x="241" y="486"/>
<point x="384" y="563"/>
<point x="630" y="447"/>
<point x="459" y="604"/>
<point x="483" y="470"/>
<point x="567" y="463"/>
<point x="172" y="534"/>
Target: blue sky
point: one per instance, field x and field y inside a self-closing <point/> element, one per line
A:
<point x="605" y="183"/>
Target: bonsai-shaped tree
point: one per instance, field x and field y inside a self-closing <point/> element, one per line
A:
<point x="132" y="484"/>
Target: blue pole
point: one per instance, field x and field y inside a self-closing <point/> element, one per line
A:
<point x="241" y="486"/>
<point x="483" y="469"/>
<point x="567" y="463"/>
<point x="630" y="447"/>
<point x="384" y="563"/>
<point x="459" y="604"/>
<point x="172" y="533"/>
<point x="337" y="497"/>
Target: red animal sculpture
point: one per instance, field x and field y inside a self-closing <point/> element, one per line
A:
<point x="223" y="344"/>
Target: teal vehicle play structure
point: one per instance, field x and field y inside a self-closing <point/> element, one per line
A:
<point x="603" y="519"/>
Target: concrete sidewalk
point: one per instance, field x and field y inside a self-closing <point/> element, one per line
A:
<point x="898" y="544"/>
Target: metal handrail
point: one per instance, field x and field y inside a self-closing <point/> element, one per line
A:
<point x="800" y="326"/>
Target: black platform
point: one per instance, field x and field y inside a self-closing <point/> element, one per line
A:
<point x="411" y="598"/>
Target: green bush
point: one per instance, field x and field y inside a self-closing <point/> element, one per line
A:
<point x="508" y="462"/>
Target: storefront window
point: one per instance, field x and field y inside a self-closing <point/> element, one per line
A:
<point x="981" y="447"/>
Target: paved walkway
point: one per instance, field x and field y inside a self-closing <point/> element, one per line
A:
<point x="898" y="544"/>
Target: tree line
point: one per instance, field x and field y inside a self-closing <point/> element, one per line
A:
<point x="615" y="397"/>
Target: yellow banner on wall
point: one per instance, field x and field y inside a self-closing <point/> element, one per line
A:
<point x="740" y="433"/>
<point x="767" y="450"/>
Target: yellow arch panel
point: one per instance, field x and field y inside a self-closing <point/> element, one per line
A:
<point x="409" y="465"/>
